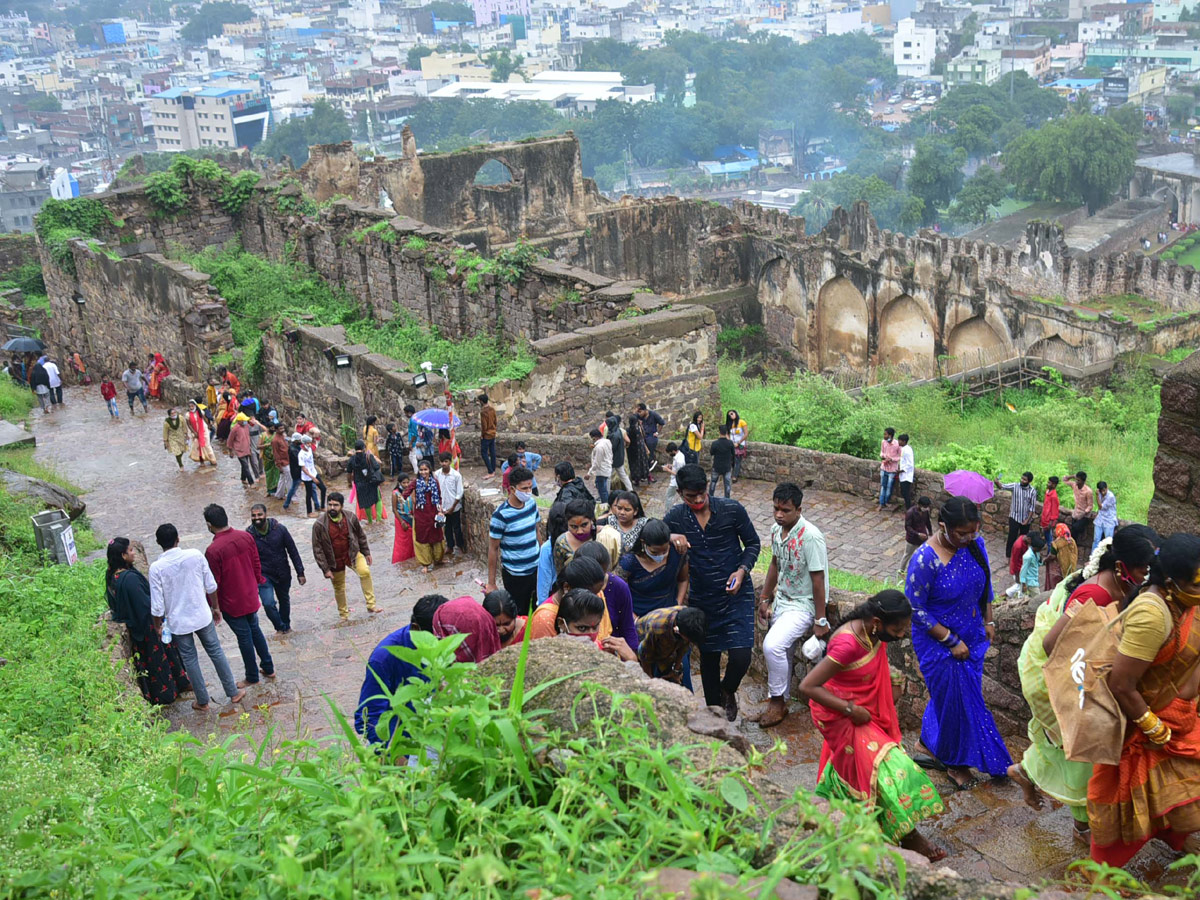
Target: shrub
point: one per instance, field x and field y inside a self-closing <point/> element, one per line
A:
<point x="237" y="192"/>
<point x="166" y="193"/>
<point x="61" y="221"/>
<point x="741" y="342"/>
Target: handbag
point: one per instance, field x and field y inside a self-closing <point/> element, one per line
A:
<point x="1089" y="717"/>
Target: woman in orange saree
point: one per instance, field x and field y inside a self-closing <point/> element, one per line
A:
<point x="1155" y="789"/>
<point x="158" y="371"/>
<point x="850" y="696"/>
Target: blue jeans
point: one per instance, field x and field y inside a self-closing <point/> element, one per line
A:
<point x="139" y="394"/>
<point x="602" y="487"/>
<point x="291" y="492"/>
<point x="718" y="476"/>
<point x="1101" y="532"/>
<point x="397" y="463"/>
<point x="887" y="484"/>
<point x="250" y="638"/>
<point x="487" y="450"/>
<point x="191" y="662"/>
<point x="276" y="598"/>
<point x="113" y="409"/>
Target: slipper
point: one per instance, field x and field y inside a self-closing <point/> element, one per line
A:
<point x="925" y="761"/>
<point x="966" y="785"/>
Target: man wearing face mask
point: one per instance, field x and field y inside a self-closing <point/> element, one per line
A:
<point x="723" y="549"/>
<point x="275" y="547"/>
<point x="339" y="543"/>
<point x="513" y="541"/>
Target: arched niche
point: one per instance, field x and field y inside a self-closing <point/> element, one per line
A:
<point x="842" y="323"/>
<point x="783" y="300"/>
<point x="906" y="338"/>
<point x="972" y="336"/>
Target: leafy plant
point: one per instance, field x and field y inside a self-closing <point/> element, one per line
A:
<point x="416" y="243"/>
<point x="741" y="342"/>
<point x="166" y="193"/>
<point x="630" y="312"/>
<point x="382" y="230"/>
<point x="61" y="221"/>
<point x="237" y="192"/>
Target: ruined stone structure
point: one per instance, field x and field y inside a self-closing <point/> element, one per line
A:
<point x="1176" y="502"/>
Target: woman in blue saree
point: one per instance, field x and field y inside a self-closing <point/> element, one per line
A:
<point x="950" y="588"/>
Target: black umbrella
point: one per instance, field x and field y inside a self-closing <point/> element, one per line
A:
<point x="24" y="345"/>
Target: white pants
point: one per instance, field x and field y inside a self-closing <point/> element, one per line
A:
<point x="787" y="628"/>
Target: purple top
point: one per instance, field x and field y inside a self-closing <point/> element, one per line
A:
<point x="620" y="610"/>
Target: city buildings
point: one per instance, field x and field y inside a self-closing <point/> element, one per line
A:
<point x="192" y="118"/>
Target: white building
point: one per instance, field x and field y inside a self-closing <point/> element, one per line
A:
<point x="913" y="49"/>
<point x="190" y="118"/>
<point x="568" y="92"/>
<point x="846" y="21"/>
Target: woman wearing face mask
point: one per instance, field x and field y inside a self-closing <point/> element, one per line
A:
<point x="949" y="585"/>
<point x="175" y="436"/>
<point x="1111" y="578"/>
<point x="850" y="696"/>
<point x="624" y="523"/>
<point x="500" y="605"/>
<point x="657" y="575"/>
<point x="579" y="615"/>
<point x="428" y="541"/>
<point x="1155" y="789"/>
<point x="581" y="528"/>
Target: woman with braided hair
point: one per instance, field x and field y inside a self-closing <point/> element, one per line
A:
<point x="850" y="696"/>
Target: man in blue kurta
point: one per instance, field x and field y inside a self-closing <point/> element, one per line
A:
<point x="723" y="547"/>
<point x="386" y="670"/>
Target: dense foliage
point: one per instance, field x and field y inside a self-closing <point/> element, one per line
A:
<point x="326" y="125"/>
<point x="61" y="221"/>
<point x="1050" y="430"/>
<point x="260" y="292"/>
<point x="27" y="278"/>
<point x="208" y="20"/>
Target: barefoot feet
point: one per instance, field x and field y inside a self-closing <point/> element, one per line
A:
<point x="1033" y="797"/>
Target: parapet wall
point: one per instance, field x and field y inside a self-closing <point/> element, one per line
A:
<point x="1176" y="502"/>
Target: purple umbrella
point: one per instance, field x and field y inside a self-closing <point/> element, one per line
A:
<point x="436" y="418"/>
<point x="972" y="485"/>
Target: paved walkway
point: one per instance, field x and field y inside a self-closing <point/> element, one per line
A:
<point x="133" y="485"/>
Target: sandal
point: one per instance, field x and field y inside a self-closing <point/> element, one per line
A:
<point x="926" y="761"/>
<point x="970" y="782"/>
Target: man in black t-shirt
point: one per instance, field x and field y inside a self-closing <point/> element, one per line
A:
<point x="618" y="439"/>
<point x="722" y="451"/>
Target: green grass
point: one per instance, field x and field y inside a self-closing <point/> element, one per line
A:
<point x="1112" y="435"/>
<point x="1009" y="205"/>
<point x="15" y="401"/>
<point x="1133" y="307"/>
<point x="20" y="459"/>
<point x="1189" y="257"/>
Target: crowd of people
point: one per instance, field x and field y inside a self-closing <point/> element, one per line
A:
<point x="654" y="592"/>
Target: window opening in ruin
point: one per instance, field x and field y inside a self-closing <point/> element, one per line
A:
<point x="493" y="172"/>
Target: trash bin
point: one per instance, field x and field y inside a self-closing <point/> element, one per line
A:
<point x="42" y="523"/>
<point x="62" y="543"/>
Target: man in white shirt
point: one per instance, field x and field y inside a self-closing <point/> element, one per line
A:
<point x="308" y="477"/>
<point x="678" y="461"/>
<point x="183" y="593"/>
<point x="907" y="468"/>
<point x="602" y="463"/>
<point x="55" y="382"/>
<point x="450" y="486"/>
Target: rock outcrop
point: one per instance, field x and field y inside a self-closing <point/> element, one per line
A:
<point x="50" y="496"/>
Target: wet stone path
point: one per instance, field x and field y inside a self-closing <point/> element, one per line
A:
<point x="132" y="485"/>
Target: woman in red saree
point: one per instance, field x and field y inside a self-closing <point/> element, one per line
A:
<point x="157" y="372"/>
<point x="1155" y="789"/>
<point x="226" y="410"/>
<point x="850" y="696"/>
<point x="201" y="449"/>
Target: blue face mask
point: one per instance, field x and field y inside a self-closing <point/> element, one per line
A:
<point x="656" y="557"/>
<point x="523" y="496"/>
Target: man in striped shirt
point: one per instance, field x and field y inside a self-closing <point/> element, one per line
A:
<point x="1020" y="512"/>
<point x="513" y="545"/>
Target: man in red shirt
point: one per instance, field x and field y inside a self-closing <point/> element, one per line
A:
<point x="1050" y="510"/>
<point x="233" y="558"/>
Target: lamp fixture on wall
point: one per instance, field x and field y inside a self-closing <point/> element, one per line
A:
<point x="80" y="299"/>
<point x="342" y="361"/>
<point x="420" y="380"/>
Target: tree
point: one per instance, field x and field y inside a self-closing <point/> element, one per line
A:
<point x="935" y="174"/>
<point x="211" y="16"/>
<point x="1181" y="107"/>
<point x="416" y="54"/>
<point x="981" y="192"/>
<point x="1081" y="159"/>
<point x="326" y="125"/>
<point x="1130" y="118"/>
<point x="976" y="129"/>
<point x="503" y="64"/>
<point x="447" y="11"/>
<point x="43" y="103"/>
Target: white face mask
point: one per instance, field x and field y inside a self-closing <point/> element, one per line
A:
<point x="656" y="557"/>
<point x="523" y="496"/>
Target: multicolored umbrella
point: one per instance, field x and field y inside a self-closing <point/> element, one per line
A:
<point x="965" y="483"/>
<point x="436" y="418"/>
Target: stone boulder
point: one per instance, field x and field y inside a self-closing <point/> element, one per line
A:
<point x="49" y="496"/>
<point x="678" y="716"/>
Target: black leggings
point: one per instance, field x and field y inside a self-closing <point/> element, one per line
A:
<point x="735" y="671"/>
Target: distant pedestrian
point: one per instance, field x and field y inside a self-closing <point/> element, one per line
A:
<point x="1081" y="513"/>
<point x="238" y="444"/>
<point x="276" y="548"/>
<point x="283" y="461"/>
<point x="724" y="549"/>
<point x="175" y="435"/>
<point x="393" y="446"/>
<point x="918" y="526"/>
<point x="793" y="594"/>
<point x="39" y="382"/>
<point x="1050" y="510"/>
<point x="694" y="441"/>
<point x="183" y="598"/>
<point x="56" y="397"/>
<point x="570" y="486"/>
<point x="1031" y="565"/>
<point x="601" y="468"/>
<point x="1021" y="508"/>
<point x="339" y="543"/>
<point x="638" y="454"/>
<point x="620" y="447"/>
<point x="651" y="422"/>
<point x="309" y="478"/>
<point x="293" y="469"/>
<point x="524" y="459"/>
<point x="889" y="466"/>
<point x="739" y="433"/>
<point x="487" y="435"/>
<point x="158" y="371"/>
<point x="723" y="453"/>
<point x="75" y="361"/>
<point x="108" y="391"/>
<point x="158" y="668"/>
<point x="412" y="432"/>
<point x="678" y="461"/>
<point x="233" y="558"/>
<point x="513" y="541"/>
<point x="1106" y="515"/>
<point x="429" y="540"/>
<point x="371" y="436"/>
<point x="908" y="468"/>
<point x="201" y="436"/>
<point x="365" y="476"/>
<point x="450" y="486"/>
<point x="402" y="543"/>
<point x="135" y="386"/>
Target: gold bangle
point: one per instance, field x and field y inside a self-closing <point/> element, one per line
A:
<point x="1149" y="723"/>
<point x="1165" y="738"/>
<point x="1148" y="714"/>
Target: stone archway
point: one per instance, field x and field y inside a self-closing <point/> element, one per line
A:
<point x="906" y="338"/>
<point x="492" y="173"/>
<point x="973" y="336"/>
<point x="783" y="300"/>
<point x="842" y="325"/>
